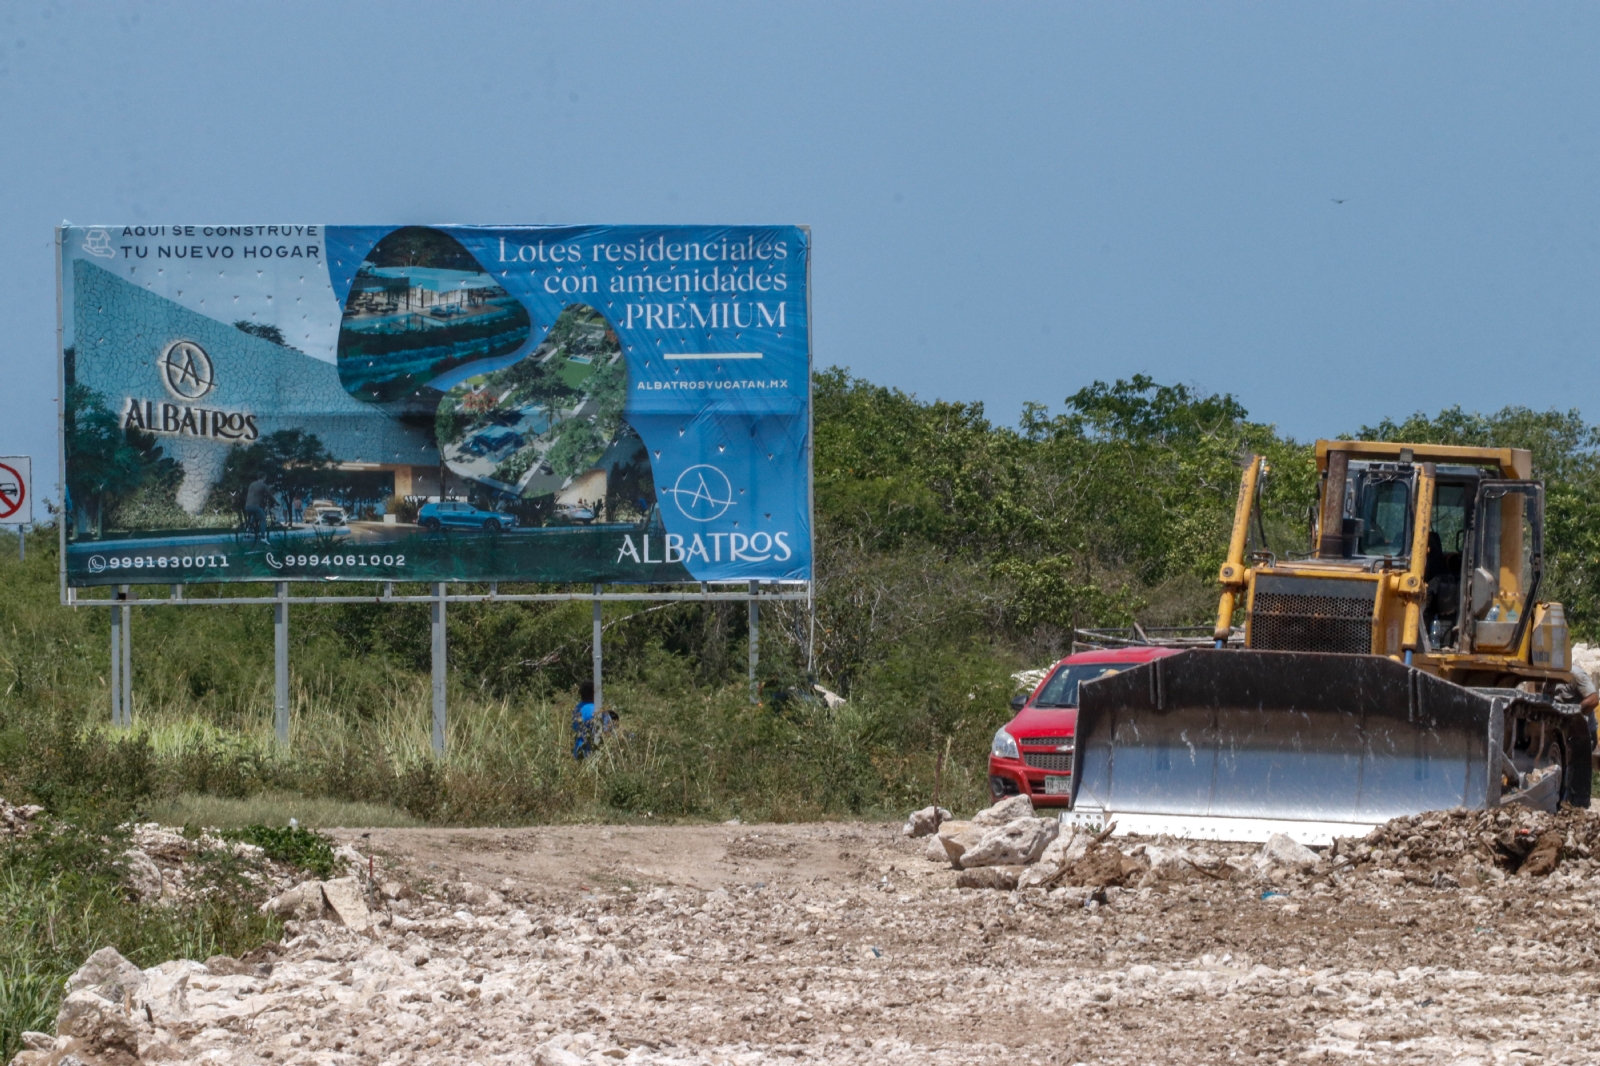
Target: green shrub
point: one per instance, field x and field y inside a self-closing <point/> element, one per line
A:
<point x="305" y="848"/>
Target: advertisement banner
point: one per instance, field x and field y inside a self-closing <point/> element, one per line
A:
<point x="435" y="403"/>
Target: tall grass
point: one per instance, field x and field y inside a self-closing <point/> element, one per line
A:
<point x="691" y="744"/>
<point x="699" y="754"/>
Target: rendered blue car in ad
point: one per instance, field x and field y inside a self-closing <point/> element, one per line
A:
<point x="458" y="514"/>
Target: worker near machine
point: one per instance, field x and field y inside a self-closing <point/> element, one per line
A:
<point x="1584" y="684"/>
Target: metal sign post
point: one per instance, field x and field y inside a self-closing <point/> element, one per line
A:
<point x="127" y="655"/>
<point x="440" y="665"/>
<point x="596" y="649"/>
<point x="122" y="657"/>
<point x="280" y="664"/>
<point x="126" y="597"/>
<point x="755" y="639"/>
<point x="16" y="498"/>
<point x="116" y="667"/>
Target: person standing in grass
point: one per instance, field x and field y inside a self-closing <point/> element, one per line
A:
<point x="584" y="724"/>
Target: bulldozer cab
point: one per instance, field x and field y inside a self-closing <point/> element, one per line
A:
<point x="1483" y="560"/>
<point x="1502" y="573"/>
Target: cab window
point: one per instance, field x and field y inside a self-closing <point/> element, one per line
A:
<point x="1384" y="516"/>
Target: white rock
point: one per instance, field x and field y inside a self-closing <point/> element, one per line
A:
<point x="1281" y="850"/>
<point x="343" y="897"/>
<point x="85" y="1014"/>
<point x="956" y="838"/>
<point x="143" y="875"/>
<point x="1007" y="810"/>
<point x="550" y="1054"/>
<point x="106" y="973"/>
<point x="1349" y="1029"/>
<point x="1003" y="878"/>
<point x="1063" y="851"/>
<point x="922" y="823"/>
<point x="1169" y="863"/>
<point x="935" y="852"/>
<point x="466" y="892"/>
<point x="154" y="840"/>
<point x="165" y="993"/>
<point x="303" y="902"/>
<point x="1017" y="843"/>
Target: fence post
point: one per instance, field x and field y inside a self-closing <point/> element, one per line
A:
<point x="597" y="628"/>
<point x="440" y="662"/>
<point x="755" y="639"/>
<point x="280" y="664"/>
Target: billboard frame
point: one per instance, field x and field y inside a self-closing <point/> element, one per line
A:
<point x="125" y="597"/>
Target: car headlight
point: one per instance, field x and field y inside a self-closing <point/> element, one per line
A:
<point x="1004" y="746"/>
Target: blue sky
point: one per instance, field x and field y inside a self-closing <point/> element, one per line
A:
<point x="1008" y="201"/>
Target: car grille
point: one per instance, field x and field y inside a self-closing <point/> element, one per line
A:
<point x="1044" y="742"/>
<point x="1053" y="760"/>
<point x="1312" y="614"/>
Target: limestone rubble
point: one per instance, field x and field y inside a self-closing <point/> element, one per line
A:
<point x="1432" y="940"/>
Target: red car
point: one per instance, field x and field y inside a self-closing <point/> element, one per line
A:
<point x="1032" y="753"/>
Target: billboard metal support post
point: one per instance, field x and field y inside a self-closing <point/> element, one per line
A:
<point x="597" y="628"/>
<point x="122" y="666"/>
<point x="116" y="667"/>
<point x="811" y="632"/>
<point x="440" y="664"/>
<point x="755" y="639"/>
<point x="280" y="664"/>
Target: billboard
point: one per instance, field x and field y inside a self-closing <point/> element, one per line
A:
<point x="435" y="403"/>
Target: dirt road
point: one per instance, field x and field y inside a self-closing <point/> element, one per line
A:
<point x="1455" y="938"/>
<point x="842" y="943"/>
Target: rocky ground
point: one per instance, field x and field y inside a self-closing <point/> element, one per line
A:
<point x="1455" y="938"/>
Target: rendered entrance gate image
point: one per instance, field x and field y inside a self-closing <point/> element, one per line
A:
<point x="610" y="405"/>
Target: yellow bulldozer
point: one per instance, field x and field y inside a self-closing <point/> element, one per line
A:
<point x="1404" y="662"/>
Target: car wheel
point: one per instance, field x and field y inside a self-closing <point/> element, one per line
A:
<point x="431" y="525"/>
<point x="491" y="525"/>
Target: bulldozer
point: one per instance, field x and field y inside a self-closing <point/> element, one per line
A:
<point x="1404" y="662"/>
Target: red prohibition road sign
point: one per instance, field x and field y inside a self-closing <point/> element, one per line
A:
<point x="13" y="491"/>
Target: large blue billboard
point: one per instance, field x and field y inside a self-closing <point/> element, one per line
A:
<point x="435" y="403"/>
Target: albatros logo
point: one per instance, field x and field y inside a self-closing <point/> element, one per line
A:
<point x="703" y="493"/>
<point x="186" y="370"/>
<point x="187" y="373"/>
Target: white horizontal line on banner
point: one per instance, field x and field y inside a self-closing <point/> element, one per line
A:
<point x="711" y="355"/>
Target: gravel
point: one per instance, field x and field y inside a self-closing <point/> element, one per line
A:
<point x="1434" y="939"/>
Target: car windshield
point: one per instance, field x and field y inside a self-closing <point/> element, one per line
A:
<point x="1062" y="688"/>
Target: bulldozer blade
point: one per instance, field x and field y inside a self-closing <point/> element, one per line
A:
<point x="1238" y="744"/>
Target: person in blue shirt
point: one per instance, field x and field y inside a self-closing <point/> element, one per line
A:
<point x="583" y="722"/>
